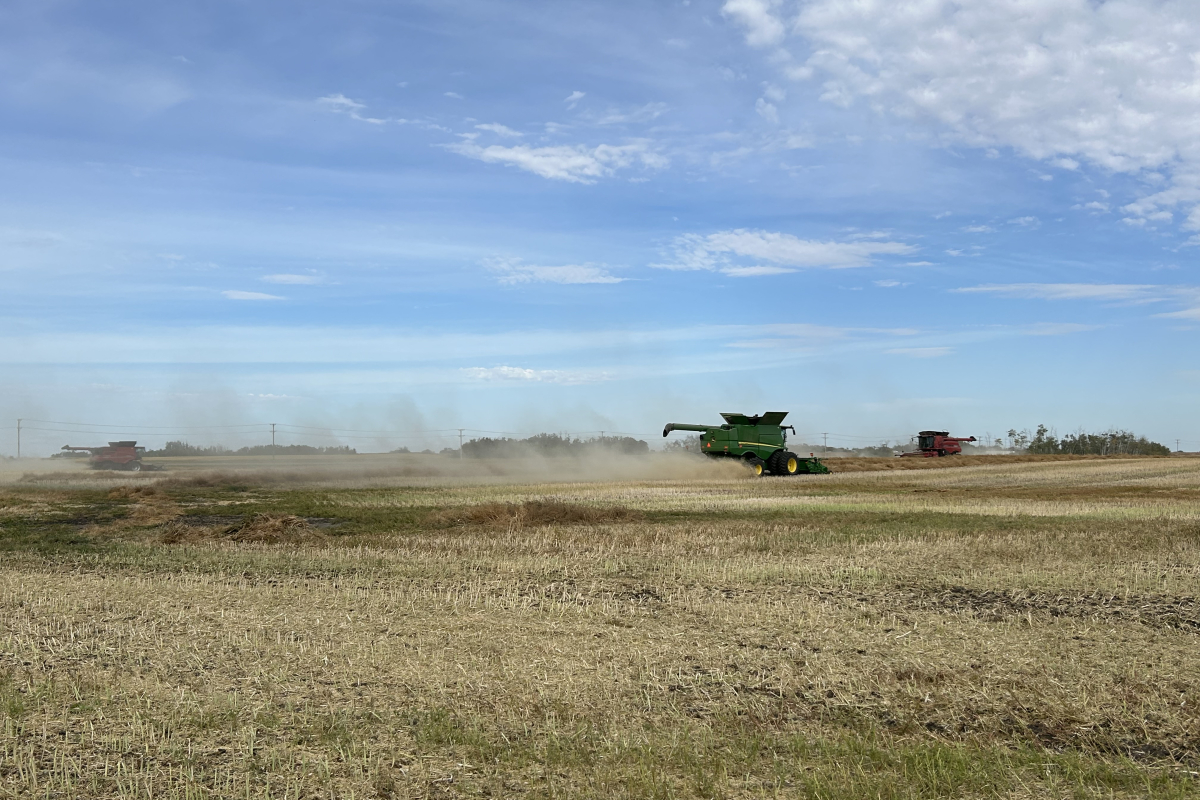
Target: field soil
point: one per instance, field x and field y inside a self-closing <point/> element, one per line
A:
<point x="410" y="626"/>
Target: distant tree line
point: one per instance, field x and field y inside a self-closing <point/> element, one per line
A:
<point x="550" y="445"/>
<point x="185" y="449"/>
<point x="1108" y="443"/>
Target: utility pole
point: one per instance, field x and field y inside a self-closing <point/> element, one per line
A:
<point x="460" y="438"/>
<point x="18" y="438"/>
<point x="1176" y="445"/>
<point x="826" y="445"/>
<point x="272" y="441"/>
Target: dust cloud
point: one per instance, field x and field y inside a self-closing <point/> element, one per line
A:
<point x="373" y="470"/>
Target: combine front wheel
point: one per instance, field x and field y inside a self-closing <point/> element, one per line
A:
<point x="756" y="465"/>
<point x="784" y="463"/>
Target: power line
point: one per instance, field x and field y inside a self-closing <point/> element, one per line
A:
<point x="148" y="427"/>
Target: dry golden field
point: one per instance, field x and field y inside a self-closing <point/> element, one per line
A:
<point x="408" y="627"/>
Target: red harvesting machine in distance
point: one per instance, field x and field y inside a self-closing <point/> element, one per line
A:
<point x="117" y="455"/>
<point x="931" y="444"/>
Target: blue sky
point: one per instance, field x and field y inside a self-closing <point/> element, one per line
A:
<point x="575" y="216"/>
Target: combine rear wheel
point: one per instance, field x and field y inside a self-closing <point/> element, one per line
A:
<point x="135" y="466"/>
<point x="756" y="465"/>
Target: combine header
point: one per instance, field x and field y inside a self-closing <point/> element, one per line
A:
<point x="759" y="441"/>
<point x="117" y="455"/>
<point x="931" y="444"/>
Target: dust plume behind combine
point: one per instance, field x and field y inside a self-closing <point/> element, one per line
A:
<point x="371" y="470"/>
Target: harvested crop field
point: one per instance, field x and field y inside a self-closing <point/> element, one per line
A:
<point x="998" y="629"/>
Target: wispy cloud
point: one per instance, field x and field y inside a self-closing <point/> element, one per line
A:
<point x="647" y="113"/>
<point x="1119" y="293"/>
<point x="575" y="164"/>
<point x="340" y="104"/>
<point x="524" y="375"/>
<point x="718" y="252"/>
<point x="498" y="129"/>
<point x="513" y="271"/>
<point x="235" y="294"/>
<point x="297" y="280"/>
<point x="1187" y="313"/>
<point x="1057" y="328"/>
<point x="920" y="352"/>
<point x="573" y="98"/>
<point x="1071" y="291"/>
<point x="753" y="272"/>
<point x="802" y="336"/>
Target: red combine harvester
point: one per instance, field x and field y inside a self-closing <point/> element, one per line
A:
<point x="932" y="444"/>
<point x="117" y="455"/>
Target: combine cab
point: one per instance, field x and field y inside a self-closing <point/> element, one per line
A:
<point x="759" y="441"/>
<point x="117" y="455"/>
<point x="931" y="444"/>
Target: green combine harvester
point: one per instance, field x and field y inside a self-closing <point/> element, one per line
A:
<point x="759" y="441"/>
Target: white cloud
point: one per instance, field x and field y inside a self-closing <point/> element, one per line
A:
<point x="1112" y="84"/>
<point x="979" y="229"/>
<point x="1025" y="222"/>
<point x="918" y="263"/>
<point x="523" y="375"/>
<point x="573" y="98"/>
<point x="512" y="271"/>
<point x="763" y="29"/>
<point x="1070" y="291"/>
<point x="716" y="251"/>
<point x="576" y="164"/>
<point x="299" y="280"/>
<point x="889" y="284"/>
<point x="767" y="111"/>
<point x="340" y="104"/>
<point x="234" y="294"/>
<point x="498" y="129"/>
<point x="452" y="95"/>
<point x="921" y="352"/>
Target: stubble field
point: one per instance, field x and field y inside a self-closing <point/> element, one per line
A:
<point x="1000" y="629"/>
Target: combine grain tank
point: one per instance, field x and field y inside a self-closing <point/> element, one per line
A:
<point x="931" y="444"/>
<point x="759" y="441"/>
<point x="117" y="455"/>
